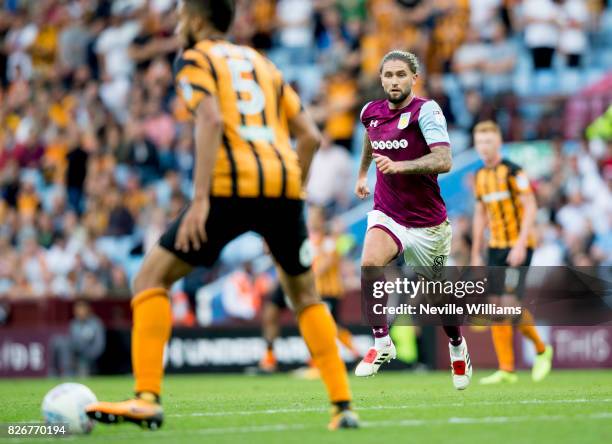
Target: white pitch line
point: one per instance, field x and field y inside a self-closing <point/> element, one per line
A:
<point x="274" y="428"/>
<point x="391" y="407"/>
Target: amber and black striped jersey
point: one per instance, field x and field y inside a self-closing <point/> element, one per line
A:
<point x="328" y="282"/>
<point x="256" y="158"/>
<point x="499" y="189"/>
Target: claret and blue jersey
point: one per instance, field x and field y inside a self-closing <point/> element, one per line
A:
<point x="408" y="133"/>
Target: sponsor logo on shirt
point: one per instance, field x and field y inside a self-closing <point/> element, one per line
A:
<point x="389" y="144"/>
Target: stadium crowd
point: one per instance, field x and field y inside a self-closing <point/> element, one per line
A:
<point x="96" y="151"/>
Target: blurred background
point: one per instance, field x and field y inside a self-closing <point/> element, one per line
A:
<point x="96" y="157"/>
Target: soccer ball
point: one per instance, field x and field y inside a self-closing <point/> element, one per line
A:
<point x="66" y="404"/>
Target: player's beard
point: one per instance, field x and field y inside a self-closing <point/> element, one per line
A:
<point x="399" y="99"/>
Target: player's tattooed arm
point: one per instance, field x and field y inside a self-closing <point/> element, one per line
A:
<point x="438" y="161"/>
<point x="361" y="189"/>
<point x="366" y="156"/>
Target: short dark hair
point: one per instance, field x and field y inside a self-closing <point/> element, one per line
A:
<point x="220" y="13"/>
<point x="487" y="126"/>
<point x="407" y="57"/>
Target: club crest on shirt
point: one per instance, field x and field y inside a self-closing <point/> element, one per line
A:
<point x="403" y="121"/>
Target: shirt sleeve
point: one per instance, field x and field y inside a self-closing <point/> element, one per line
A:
<point x="363" y="110"/>
<point x="433" y="125"/>
<point x="520" y="182"/>
<point x="195" y="77"/>
<point x="290" y="101"/>
<point x="477" y="187"/>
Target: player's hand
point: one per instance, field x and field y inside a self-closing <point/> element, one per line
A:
<point x="361" y="189"/>
<point x="385" y="165"/>
<point x="517" y="255"/>
<point x="192" y="230"/>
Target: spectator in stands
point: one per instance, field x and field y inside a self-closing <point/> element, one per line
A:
<point x="120" y="220"/>
<point x="335" y="109"/>
<point x="295" y="30"/>
<point x="470" y="61"/>
<point x="449" y="22"/>
<point x="34" y="266"/>
<point x="541" y="22"/>
<point x="483" y="16"/>
<point x="573" y="41"/>
<point x="72" y="43"/>
<point x="28" y="200"/>
<point x="60" y="259"/>
<point x="9" y="261"/>
<point x="331" y="177"/>
<point x="18" y="41"/>
<point x="143" y="155"/>
<point x="91" y="287"/>
<point x="500" y="62"/>
<point x="29" y="153"/>
<point x="118" y="286"/>
<point x="77" y="353"/>
<point x="112" y="48"/>
<point x="76" y="172"/>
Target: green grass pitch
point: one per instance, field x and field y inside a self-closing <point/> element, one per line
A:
<point x="395" y="407"/>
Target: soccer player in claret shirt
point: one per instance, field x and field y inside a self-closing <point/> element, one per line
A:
<point x="247" y="177"/>
<point x="406" y="136"/>
<point x="506" y="204"/>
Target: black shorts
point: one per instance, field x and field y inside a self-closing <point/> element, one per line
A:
<point x="279" y="221"/>
<point x="333" y="303"/>
<point x="278" y="298"/>
<point x="510" y="282"/>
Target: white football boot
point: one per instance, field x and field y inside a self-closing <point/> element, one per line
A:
<point x="374" y="358"/>
<point x="461" y="366"/>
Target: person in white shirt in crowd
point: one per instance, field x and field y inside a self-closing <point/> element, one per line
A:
<point x="34" y="266"/>
<point x="330" y="176"/>
<point x="483" y="14"/>
<point x="500" y="62"/>
<point x="17" y="42"/>
<point x="573" y="216"/>
<point x="573" y="41"/>
<point x="295" y="19"/>
<point x="60" y="258"/>
<point x="541" y="21"/>
<point x="112" y="48"/>
<point x="470" y="60"/>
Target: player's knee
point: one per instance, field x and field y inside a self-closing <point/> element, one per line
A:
<point x="145" y="280"/>
<point x="372" y="261"/>
<point x="304" y="298"/>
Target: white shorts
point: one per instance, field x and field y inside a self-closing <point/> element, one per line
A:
<point x="422" y="247"/>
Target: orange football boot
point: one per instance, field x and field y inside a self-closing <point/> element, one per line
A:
<point x="343" y="419"/>
<point x="268" y="362"/>
<point x="144" y="413"/>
